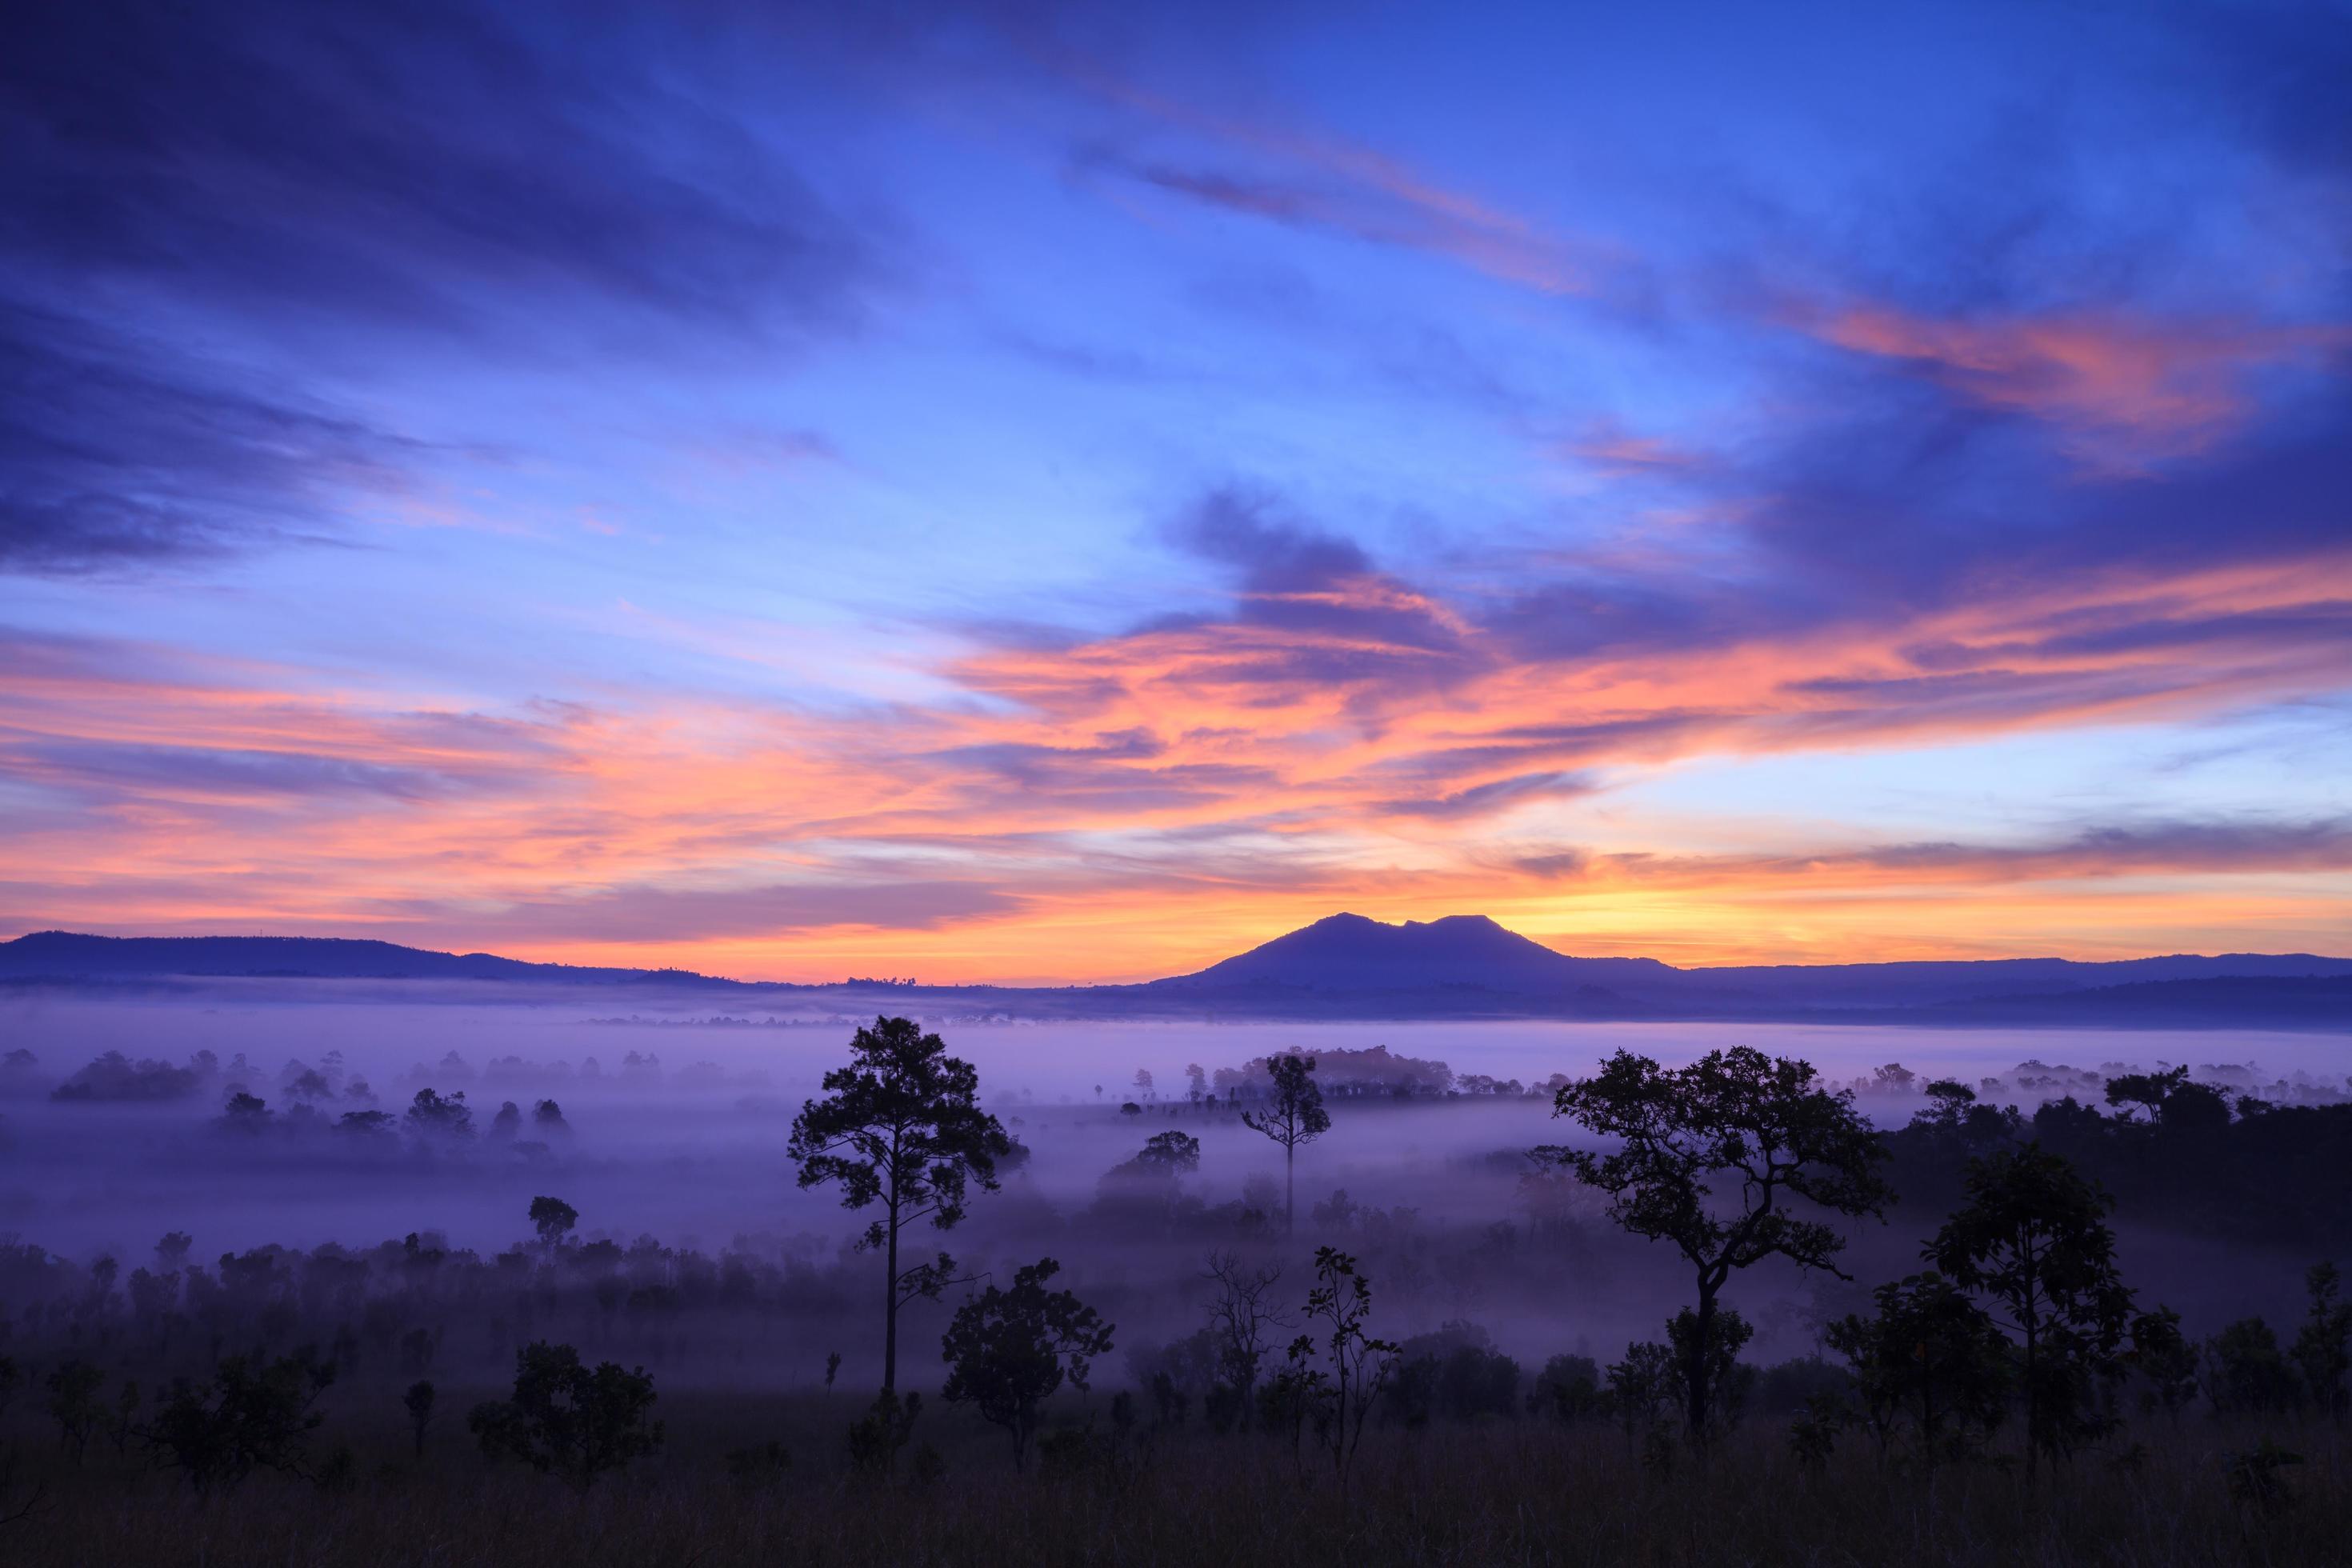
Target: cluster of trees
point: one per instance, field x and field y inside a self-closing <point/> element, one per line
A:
<point x="317" y="1104"/>
<point x="1734" y="1160"/>
<point x="433" y="1122"/>
<point x="2016" y="1319"/>
<point x="114" y="1077"/>
<point x="1372" y="1072"/>
<point x="2237" y="1166"/>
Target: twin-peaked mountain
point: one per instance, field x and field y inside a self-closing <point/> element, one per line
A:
<point x="1348" y="966"/>
<point x="1351" y="952"/>
<point x="1349" y="956"/>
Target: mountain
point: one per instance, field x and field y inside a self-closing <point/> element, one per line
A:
<point x="1346" y="957"/>
<point x="1347" y="966"/>
<point x="1930" y="981"/>
<point x="2322" y="1001"/>
<point x="1349" y="952"/>
<point x="66" y="955"/>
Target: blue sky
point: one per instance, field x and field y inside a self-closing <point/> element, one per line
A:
<point x="1054" y="492"/>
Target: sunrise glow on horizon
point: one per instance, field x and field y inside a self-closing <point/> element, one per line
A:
<point x="1035" y="496"/>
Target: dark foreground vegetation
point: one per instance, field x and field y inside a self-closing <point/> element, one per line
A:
<point x="1993" y="1389"/>
<point x="1501" y="1493"/>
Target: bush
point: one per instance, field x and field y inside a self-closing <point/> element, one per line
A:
<point x="1566" y="1389"/>
<point x="1455" y="1372"/>
<point x="1787" y="1387"/>
<point x="875" y="1438"/>
<point x="567" y="1420"/>
<point x="249" y="1417"/>
<point x="2250" y="1374"/>
<point x="758" y="1467"/>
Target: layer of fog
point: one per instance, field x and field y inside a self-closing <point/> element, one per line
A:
<point x="691" y="1149"/>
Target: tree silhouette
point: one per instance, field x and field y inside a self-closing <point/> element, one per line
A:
<point x="418" y="1403"/>
<point x="567" y="1420"/>
<point x="2249" y="1373"/>
<point x="1295" y="1116"/>
<point x="1242" y="1317"/>
<point x="251" y="1416"/>
<point x="2144" y="1091"/>
<point x="1008" y="1350"/>
<point x="2322" y="1347"/>
<point x="74" y="1405"/>
<point x="2162" y="1355"/>
<point x="1340" y="1395"/>
<point x="1714" y="1347"/>
<point x="2032" y="1236"/>
<point x="1165" y="1156"/>
<point x="554" y="1219"/>
<point x="437" y="1116"/>
<point x="903" y="1128"/>
<point x="875" y="1438"/>
<point x="246" y="1114"/>
<point x="12" y="1509"/>
<point x="1568" y="1389"/>
<point x="1641" y="1385"/>
<point x="1933" y="1357"/>
<point x="1765" y="1120"/>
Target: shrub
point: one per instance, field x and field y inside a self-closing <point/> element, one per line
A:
<point x="567" y="1420"/>
<point x="251" y="1416"/>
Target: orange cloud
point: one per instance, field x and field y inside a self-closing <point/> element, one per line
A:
<point x="1137" y="803"/>
<point x="2133" y="389"/>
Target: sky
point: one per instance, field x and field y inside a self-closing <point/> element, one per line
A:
<point x="1032" y="492"/>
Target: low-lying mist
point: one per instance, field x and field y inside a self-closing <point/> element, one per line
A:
<point x="667" y="1131"/>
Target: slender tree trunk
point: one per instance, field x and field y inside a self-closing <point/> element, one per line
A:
<point x="2033" y="1404"/>
<point x="2030" y="1321"/>
<point x="1694" y="1369"/>
<point x="890" y="1304"/>
<point x="1290" y="1190"/>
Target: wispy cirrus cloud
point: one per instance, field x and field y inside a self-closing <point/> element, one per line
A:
<point x="1260" y="166"/>
<point x="291" y="175"/>
<point x="121" y="454"/>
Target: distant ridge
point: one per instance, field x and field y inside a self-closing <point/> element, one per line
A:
<point x="71" y="956"/>
<point x="1349" y="966"/>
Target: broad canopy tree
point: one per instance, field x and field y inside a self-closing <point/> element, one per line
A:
<point x="901" y="1126"/>
<point x="252" y="1414"/>
<point x="1011" y="1349"/>
<point x="553" y="1219"/>
<point x="1165" y="1157"/>
<point x="568" y="1420"/>
<point x="1765" y="1123"/>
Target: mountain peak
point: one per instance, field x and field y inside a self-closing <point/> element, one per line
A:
<point x="1349" y="952"/>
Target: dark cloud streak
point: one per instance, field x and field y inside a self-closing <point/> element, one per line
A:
<point x="509" y="177"/>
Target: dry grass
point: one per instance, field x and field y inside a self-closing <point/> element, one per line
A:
<point x="1515" y="1492"/>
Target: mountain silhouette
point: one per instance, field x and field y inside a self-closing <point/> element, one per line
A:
<point x="1351" y="952"/>
<point x="1346" y="965"/>
<point x="61" y="954"/>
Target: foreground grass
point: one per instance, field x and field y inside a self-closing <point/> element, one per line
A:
<point x="1513" y="1492"/>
